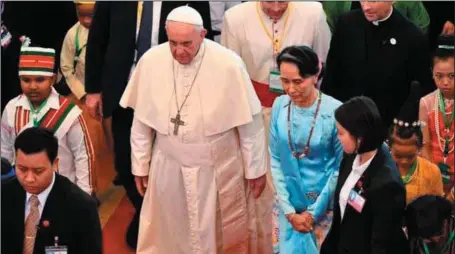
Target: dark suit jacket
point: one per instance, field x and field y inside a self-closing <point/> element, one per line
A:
<point x="439" y="12"/>
<point x="363" y="61"/>
<point x="378" y="229"/>
<point x="72" y="215"/>
<point x="112" y="42"/>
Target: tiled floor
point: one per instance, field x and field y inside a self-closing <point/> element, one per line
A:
<point x="115" y="210"/>
<point x="115" y="214"/>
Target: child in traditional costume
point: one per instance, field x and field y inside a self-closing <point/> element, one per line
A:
<point x="72" y="57"/>
<point x="437" y="111"/>
<point x="419" y="175"/>
<point x="41" y="105"/>
<point x="72" y="66"/>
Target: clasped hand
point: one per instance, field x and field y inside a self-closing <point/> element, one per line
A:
<point x="302" y="223"/>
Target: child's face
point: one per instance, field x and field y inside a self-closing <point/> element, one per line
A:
<point x="404" y="152"/>
<point x="443" y="75"/>
<point x="36" y="88"/>
<point x="85" y="14"/>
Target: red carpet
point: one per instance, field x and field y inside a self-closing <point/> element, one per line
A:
<point x="115" y="229"/>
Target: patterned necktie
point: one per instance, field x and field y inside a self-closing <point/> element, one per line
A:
<point x="144" y="38"/>
<point x="31" y="224"/>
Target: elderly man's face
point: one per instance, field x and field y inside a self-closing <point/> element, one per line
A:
<point x="274" y="9"/>
<point x="184" y="40"/>
<point x="375" y="10"/>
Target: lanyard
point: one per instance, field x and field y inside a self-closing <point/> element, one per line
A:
<point x="275" y="42"/>
<point x="446" y="245"/>
<point x="35" y="112"/>
<point x="407" y="178"/>
<point x="78" y="50"/>
<point x="442" y="107"/>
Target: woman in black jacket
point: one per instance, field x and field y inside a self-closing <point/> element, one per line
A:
<point x="370" y="197"/>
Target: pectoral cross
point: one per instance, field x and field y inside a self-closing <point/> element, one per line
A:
<point x="177" y="122"/>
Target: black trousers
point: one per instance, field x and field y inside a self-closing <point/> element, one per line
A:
<point x="122" y="120"/>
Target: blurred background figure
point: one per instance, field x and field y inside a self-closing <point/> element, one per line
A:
<point x="430" y="225"/>
<point x="8" y="172"/>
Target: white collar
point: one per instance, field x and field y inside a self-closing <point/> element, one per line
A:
<point x="42" y="197"/>
<point x="53" y="101"/>
<point x="361" y="168"/>
<point x="376" y="22"/>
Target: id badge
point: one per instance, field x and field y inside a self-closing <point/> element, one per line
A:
<point x="275" y="82"/>
<point x="56" y="250"/>
<point x="356" y="201"/>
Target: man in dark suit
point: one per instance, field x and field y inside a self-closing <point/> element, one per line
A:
<point x="377" y="52"/>
<point x="112" y="51"/>
<point x="41" y="208"/>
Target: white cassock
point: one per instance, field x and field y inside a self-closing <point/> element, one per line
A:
<point x="197" y="199"/>
<point x="304" y="23"/>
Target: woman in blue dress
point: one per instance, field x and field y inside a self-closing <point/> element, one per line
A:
<point x="305" y="152"/>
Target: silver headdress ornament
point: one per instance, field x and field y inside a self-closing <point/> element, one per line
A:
<point x="406" y="124"/>
<point x="446" y="47"/>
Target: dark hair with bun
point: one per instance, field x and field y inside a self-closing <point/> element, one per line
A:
<point x="303" y="57"/>
<point x="445" y="48"/>
<point x="407" y="123"/>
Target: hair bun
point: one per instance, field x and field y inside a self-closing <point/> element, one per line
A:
<point x="446" y="42"/>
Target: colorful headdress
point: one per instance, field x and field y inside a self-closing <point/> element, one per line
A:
<point x="36" y="60"/>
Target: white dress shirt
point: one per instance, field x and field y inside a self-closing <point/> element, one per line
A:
<point x="155" y="27"/>
<point x="156" y="22"/>
<point x="354" y="176"/>
<point x="42" y="197"/>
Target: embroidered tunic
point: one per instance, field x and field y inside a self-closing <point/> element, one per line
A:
<point x="75" y="152"/>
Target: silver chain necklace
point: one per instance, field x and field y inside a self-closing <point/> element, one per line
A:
<point x="177" y="119"/>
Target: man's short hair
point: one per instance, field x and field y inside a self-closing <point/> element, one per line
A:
<point x="35" y="140"/>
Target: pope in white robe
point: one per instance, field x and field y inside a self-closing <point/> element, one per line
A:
<point x="198" y="147"/>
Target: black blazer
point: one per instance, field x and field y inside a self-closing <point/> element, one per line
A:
<point x="363" y="61"/>
<point x="112" y="41"/>
<point x="71" y="213"/>
<point x="378" y="229"/>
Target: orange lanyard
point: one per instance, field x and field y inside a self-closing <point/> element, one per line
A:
<point x="275" y="42"/>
